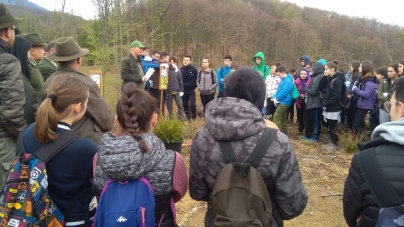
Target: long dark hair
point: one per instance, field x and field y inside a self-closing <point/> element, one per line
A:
<point x="355" y="65"/>
<point x="20" y="50"/>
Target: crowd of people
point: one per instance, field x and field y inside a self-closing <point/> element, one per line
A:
<point x="43" y="94"/>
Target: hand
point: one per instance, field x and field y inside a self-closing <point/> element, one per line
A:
<point x="347" y="83"/>
<point x="349" y="96"/>
<point x="385" y="94"/>
<point x="302" y="96"/>
<point x="144" y="79"/>
<point x="165" y="65"/>
<point x="181" y="94"/>
<point x="175" y="67"/>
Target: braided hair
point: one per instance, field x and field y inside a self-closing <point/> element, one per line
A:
<point x="134" y="110"/>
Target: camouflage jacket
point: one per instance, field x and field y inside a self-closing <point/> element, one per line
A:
<point x="11" y="88"/>
<point x="239" y="121"/>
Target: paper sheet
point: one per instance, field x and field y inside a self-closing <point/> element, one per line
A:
<point x="149" y="73"/>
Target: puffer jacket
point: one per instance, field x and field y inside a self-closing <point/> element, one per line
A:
<point x="358" y="200"/>
<point x="284" y="92"/>
<point x="239" y="121"/>
<point x="12" y="100"/>
<point x="120" y="158"/>
<point x="313" y="89"/>
<point x="367" y="93"/>
<point x="206" y="83"/>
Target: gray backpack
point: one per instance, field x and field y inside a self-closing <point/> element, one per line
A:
<point x="240" y="197"/>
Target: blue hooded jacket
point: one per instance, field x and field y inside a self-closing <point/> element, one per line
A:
<point x="284" y="92"/>
<point x="222" y="72"/>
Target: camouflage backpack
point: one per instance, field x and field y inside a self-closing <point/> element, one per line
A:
<point x="391" y="212"/>
<point x="240" y="197"/>
<point x="25" y="200"/>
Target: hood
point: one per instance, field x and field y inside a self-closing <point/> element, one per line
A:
<point x="317" y="68"/>
<point x="305" y="58"/>
<point x="260" y="55"/>
<point x="369" y="78"/>
<point x="391" y="131"/>
<point x="120" y="157"/>
<point x="307" y="73"/>
<point x="340" y="76"/>
<point x="231" y="118"/>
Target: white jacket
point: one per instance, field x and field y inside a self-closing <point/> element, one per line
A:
<point x="272" y="84"/>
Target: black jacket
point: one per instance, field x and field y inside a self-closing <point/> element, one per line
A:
<point x="333" y="94"/>
<point x="189" y="75"/>
<point x="358" y="199"/>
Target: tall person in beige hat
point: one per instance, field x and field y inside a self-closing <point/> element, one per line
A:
<point x="12" y="99"/>
<point x="132" y="66"/>
<point x="35" y="55"/>
<point x="98" y="118"/>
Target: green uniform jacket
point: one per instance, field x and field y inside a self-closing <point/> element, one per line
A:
<point x="31" y="102"/>
<point x="37" y="81"/>
<point x="11" y="89"/>
<point x="98" y="118"/>
<point x="384" y="87"/>
<point x="47" y="68"/>
<point x="132" y="71"/>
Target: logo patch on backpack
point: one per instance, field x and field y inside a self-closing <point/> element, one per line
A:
<point x="25" y="200"/>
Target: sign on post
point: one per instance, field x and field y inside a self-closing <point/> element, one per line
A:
<point x="96" y="75"/>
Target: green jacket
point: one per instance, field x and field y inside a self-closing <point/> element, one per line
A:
<point x="384" y="87"/>
<point x="47" y="68"/>
<point x="31" y="102"/>
<point x="132" y="71"/>
<point x="262" y="69"/>
<point x="36" y="81"/>
<point x="98" y="118"/>
<point x="11" y="88"/>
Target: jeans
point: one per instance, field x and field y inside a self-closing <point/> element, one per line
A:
<point x="384" y="116"/>
<point x="279" y="118"/>
<point x="374" y="120"/>
<point x="178" y="101"/>
<point x="189" y="104"/>
<point x="300" y="116"/>
<point x="312" y="123"/>
<point x="206" y="99"/>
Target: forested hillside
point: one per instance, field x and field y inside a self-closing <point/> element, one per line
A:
<point x="214" y="28"/>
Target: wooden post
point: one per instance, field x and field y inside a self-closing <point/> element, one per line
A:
<point x="161" y="103"/>
<point x="163" y="81"/>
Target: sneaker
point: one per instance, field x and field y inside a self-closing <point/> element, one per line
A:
<point x="307" y="139"/>
<point x="330" y="147"/>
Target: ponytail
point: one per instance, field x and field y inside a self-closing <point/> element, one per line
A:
<point x="46" y="122"/>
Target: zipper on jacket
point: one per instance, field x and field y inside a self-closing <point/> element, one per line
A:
<point x="143" y="211"/>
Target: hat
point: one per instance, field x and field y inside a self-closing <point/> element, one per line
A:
<point x="67" y="49"/>
<point x="137" y="43"/>
<point x="305" y="58"/>
<point x="246" y="83"/>
<point x="35" y="39"/>
<point x="6" y="18"/>
<point x="322" y="61"/>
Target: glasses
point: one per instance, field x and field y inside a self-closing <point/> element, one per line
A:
<point x="387" y="106"/>
<point x="15" y="30"/>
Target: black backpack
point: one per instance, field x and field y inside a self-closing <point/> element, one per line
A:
<point x="240" y="197"/>
<point x="345" y="102"/>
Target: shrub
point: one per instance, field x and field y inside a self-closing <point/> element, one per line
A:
<point x="169" y="129"/>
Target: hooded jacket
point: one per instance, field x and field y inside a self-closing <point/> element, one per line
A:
<point x="358" y="200"/>
<point x="120" y="158"/>
<point x="175" y="83"/>
<point x="367" y="93"/>
<point x="301" y="84"/>
<point x="272" y="84"/>
<point x="262" y="69"/>
<point x="204" y="82"/>
<point x="284" y="92"/>
<point x="306" y="59"/>
<point x="239" y="121"/>
<point x="334" y="92"/>
<point x="222" y="73"/>
<point x="313" y="89"/>
<point x="189" y="75"/>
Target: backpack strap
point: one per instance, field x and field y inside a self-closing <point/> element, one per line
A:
<point x="380" y="187"/>
<point x="19" y="148"/>
<point x="227" y="152"/>
<point x="261" y="147"/>
<point x="50" y="150"/>
<point x="199" y="76"/>
<point x="211" y="75"/>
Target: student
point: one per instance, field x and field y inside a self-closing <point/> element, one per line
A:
<point x="259" y="65"/>
<point x="401" y="68"/>
<point x="366" y="92"/>
<point x="138" y="148"/>
<point x="352" y="78"/>
<point x="290" y="113"/>
<point x="283" y="99"/>
<point x="189" y="75"/>
<point x="386" y="90"/>
<point x="301" y="82"/>
<point x="222" y="72"/>
<point x="331" y="102"/>
<point x="312" y="115"/>
<point x="206" y="82"/>
<point x="360" y="203"/>
<point x="175" y="89"/>
<point x="241" y="106"/>
<point x="272" y="83"/>
<point x="71" y="170"/>
<point x="304" y="60"/>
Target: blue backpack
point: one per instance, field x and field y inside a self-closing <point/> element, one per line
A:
<point x="391" y="212"/>
<point x="124" y="204"/>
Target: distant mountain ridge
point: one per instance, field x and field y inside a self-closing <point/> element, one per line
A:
<point x="24" y="4"/>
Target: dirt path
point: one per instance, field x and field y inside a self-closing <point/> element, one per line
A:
<point x="323" y="173"/>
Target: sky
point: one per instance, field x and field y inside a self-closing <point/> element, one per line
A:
<point x="386" y="11"/>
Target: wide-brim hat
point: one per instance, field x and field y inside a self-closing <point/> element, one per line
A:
<point x="6" y="18"/>
<point x="67" y="49"/>
<point x="35" y="39"/>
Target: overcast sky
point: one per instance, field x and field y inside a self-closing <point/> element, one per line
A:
<point x="386" y="11"/>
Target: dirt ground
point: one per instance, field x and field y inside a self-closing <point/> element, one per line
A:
<point x="323" y="174"/>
